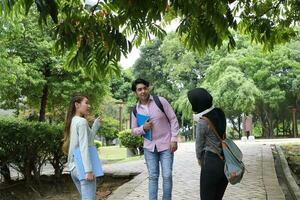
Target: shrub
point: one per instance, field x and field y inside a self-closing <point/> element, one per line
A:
<point x="98" y="143"/>
<point x="257" y="130"/>
<point x="28" y="145"/>
<point x="109" y="129"/>
<point x="130" y="141"/>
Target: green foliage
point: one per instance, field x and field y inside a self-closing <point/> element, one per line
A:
<point x="172" y="70"/>
<point x="96" y="37"/>
<point x="257" y="130"/>
<point x="268" y="22"/>
<point x="31" y="73"/>
<point x="150" y="67"/>
<point x="28" y="145"/>
<point x="130" y="141"/>
<point x="249" y="80"/>
<point x="98" y="143"/>
<point x="121" y="86"/>
<point x="231" y="89"/>
<point x="170" y="67"/>
<point x="231" y="133"/>
<point x="183" y="105"/>
<point x="109" y="128"/>
<point x="292" y="154"/>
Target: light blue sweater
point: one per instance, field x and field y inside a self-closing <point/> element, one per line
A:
<point x="82" y="136"/>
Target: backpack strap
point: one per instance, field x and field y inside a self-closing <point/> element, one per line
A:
<point x="210" y="125"/>
<point x="160" y="106"/>
<point x="134" y="111"/>
<point x="157" y="102"/>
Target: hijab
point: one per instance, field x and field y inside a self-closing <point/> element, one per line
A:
<point x="202" y="105"/>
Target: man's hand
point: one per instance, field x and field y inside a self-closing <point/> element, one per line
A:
<point x="147" y="126"/>
<point x="173" y="147"/>
<point x="89" y="176"/>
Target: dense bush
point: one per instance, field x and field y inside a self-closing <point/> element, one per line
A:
<point x="26" y="146"/>
<point x="130" y="141"/>
<point x="109" y="129"/>
<point x="98" y="143"/>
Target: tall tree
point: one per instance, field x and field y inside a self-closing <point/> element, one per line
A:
<point x="39" y="79"/>
<point x="170" y="67"/>
<point x="149" y="66"/>
<point x="249" y="80"/>
<point x="12" y="75"/>
<point x="121" y="86"/>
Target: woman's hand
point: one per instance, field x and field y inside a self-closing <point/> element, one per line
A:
<point x="89" y="176"/>
<point x="97" y="123"/>
<point x="98" y="120"/>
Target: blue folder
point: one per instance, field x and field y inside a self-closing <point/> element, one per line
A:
<point x="95" y="161"/>
<point x="141" y="119"/>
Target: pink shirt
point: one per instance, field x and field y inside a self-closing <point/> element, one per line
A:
<point x="163" y="131"/>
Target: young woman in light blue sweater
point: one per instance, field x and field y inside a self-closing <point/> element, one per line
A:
<point x="77" y="134"/>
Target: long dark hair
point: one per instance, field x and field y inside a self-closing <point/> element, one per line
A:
<point x="218" y="118"/>
<point x="70" y="114"/>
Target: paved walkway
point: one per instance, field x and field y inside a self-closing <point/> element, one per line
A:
<point x="259" y="183"/>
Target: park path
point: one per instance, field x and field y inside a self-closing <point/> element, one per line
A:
<point x="259" y="183"/>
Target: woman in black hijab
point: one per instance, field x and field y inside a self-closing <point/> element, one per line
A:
<point x="213" y="181"/>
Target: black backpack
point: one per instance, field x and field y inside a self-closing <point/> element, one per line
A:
<point x="157" y="102"/>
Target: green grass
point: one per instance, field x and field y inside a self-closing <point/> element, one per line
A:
<point x="112" y="153"/>
<point x="292" y="154"/>
<point x="116" y="154"/>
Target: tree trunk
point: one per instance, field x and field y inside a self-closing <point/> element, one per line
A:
<point x="56" y="165"/>
<point x="297" y="110"/>
<point x="239" y="127"/>
<point x="234" y="126"/>
<point x="4" y="169"/>
<point x="294" y="124"/>
<point x="270" y="126"/>
<point x="28" y="170"/>
<point x="44" y="98"/>
<point x="289" y="130"/>
<point x="283" y="128"/>
<point x="264" y="128"/>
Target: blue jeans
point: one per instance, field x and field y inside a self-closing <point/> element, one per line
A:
<point x="166" y="161"/>
<point x="87" y="189"/>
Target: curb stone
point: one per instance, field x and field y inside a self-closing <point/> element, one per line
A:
<point x="273" y="190"/>
<point x="292" y="185"/>
<point x="127" y="188"/>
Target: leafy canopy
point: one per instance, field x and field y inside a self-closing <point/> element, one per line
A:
<point x="96" y="36"/>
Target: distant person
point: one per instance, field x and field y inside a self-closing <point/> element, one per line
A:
<point x="77" y="133"/>
<point x="247" y="125"/>
<point x="164" y="127"/>
<point x="209" y="153"/>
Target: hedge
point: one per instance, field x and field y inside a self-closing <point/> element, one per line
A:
<point x="27" y="146"/>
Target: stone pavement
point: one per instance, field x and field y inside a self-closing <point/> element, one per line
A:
<point x="259" y="183"/>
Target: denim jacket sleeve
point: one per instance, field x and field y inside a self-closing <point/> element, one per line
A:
<point x="201" y="131"/>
